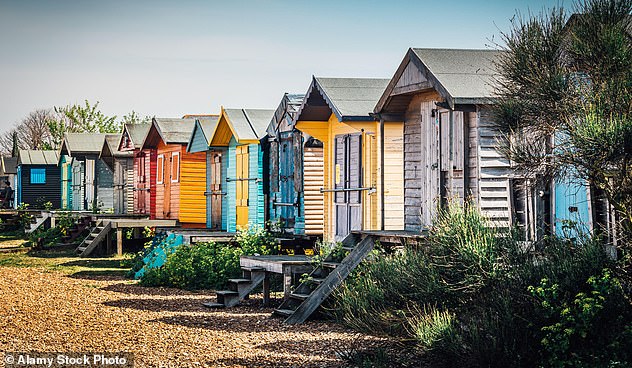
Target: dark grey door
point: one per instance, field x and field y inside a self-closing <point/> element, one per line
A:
<point x="348" y="184"/>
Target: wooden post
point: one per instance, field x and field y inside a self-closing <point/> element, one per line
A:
<point x="287" y="281"/>
<point x="108" y="244"/>
<point x="119" y="241"/>
<point x="266" y="290"/>
<point x="52" y="220"/>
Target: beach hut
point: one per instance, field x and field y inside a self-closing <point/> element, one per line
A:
<point x="216" y="196"/>
<point x="38" y="178"/>
<point x="144" y="175"/>
<point x="92" y="180"/>
<point x="238" y="132"/>
<point x="8" y="169"/>
<point x="294" y="172"/>
<point x="122" y="165"/>
<point x="363" y="159"/>
<point x="180" y="175"/>
<point x="450" y="141"/>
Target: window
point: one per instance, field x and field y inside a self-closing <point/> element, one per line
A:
<point x="38" y="176"/>
<point x="175" y="167"/>
<point x="160" y="170"/>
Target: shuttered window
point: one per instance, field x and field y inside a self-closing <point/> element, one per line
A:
<point x="38" y="176"/>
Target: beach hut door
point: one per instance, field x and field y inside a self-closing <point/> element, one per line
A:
<point x="242" y="185"/>
<point x="286" y="182"/>
<point x="120" y="171"/>
<point x="166" y="211"/>
<point x="215" y="190"/>
<point x="348" y="184"/>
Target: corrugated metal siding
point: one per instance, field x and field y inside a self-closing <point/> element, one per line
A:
<point x="313" y="177"/>
<point x="37" y="194"/>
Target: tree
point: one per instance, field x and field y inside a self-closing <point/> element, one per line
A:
<point x="77" y="118"/>
<point x="564" y="99"/>
<point x="134" y="118"/>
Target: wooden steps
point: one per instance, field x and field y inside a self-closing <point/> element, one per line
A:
<point x="37" y="221"/>
<point x="94" y="239"/>
<point x="81" y="224"/>
<point x="238" y="289"/>
<point x="310" y="294"/>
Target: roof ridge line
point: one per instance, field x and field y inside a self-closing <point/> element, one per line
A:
<point x="249" y="123"/>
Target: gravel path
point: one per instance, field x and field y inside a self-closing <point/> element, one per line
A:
<point x="42" y="310"/>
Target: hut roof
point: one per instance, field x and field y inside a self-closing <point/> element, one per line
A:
<point x="461" y="76"/>
<point x="9" y="165"/>
<point x="350" y="99"/>
<point x="137" y="133"/>
<point x="77" y="143"/>
<point x="285" y="112"/>
<point x="37" y="157"/>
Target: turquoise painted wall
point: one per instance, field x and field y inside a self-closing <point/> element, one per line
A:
<point x="225" y="198"/>
<point x="231" y="172"/>
<point x="256" y="204"/>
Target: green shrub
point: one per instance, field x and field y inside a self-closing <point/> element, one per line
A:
<point x="482" y="276"/>
<point x="45" y="238"/>
<point x="205" y="265"/>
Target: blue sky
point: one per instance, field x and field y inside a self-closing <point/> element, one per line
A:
<point x="173" y="58"/>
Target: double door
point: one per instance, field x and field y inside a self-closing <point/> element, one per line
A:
<point x="348" y="184"/>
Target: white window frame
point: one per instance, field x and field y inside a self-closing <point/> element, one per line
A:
<point x="175" y="154"/>
<point x="159" y="169"/>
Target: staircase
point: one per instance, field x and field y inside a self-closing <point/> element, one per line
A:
<point x="37" y="221"/>
<point x="81" y="224"/>
<point x="94" y="239"/>
<point x="310" y="294"/>
<point x="238" y="289"/>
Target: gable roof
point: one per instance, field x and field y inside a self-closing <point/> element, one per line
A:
<point x="37" y="157"/>
<point x="8" y="165"/>
<point x="246" y="125"/>
<point x="285" y="113"/>
<point x="171" y="130"/>
<point x="82" y="143"/>
<point x="110" y="147"/>
<point x="202" y="131"/>
<point x="350" y="99"/>
<point x="460" y="76"/>
<point x="136" y="133"/>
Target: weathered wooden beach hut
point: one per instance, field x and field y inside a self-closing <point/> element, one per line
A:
<point x="215" y="192"/>
<point x="363" y="159"/>
<point x="450" y="148"/>
<point x="144" y="166"/>
<point x="293" y="172"/>
<point x="8" y="169"/>
<point x="180" y="175"/>
<point x="238" y="132"/>
<point x="38" y="178"/>
<point x="92" y="180"/>
<point x="122" y="165"/>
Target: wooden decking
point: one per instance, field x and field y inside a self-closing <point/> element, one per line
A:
<point x="290" y="267"/>
<point x="393" y="236"/>
<point x="192" y="236"/>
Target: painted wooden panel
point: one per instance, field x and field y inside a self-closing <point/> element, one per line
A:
<point x="313" y="175"/>
<point x="37" y="194"/>
<point x="129" y="193"/>
<point x="393" y="172"/>
<point x="215" y="190"/>
<point x="192" y="206"/>
<point x="78" y="200"/>
<point x="167" y="187"/>
<point x="242" y="190"/>
<point x="231" y="172"/>
<point x="66" y="182"/>
<point x="120" y="181"/>
<point x="104" y="178"/>
<point x="493" y="173"/>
